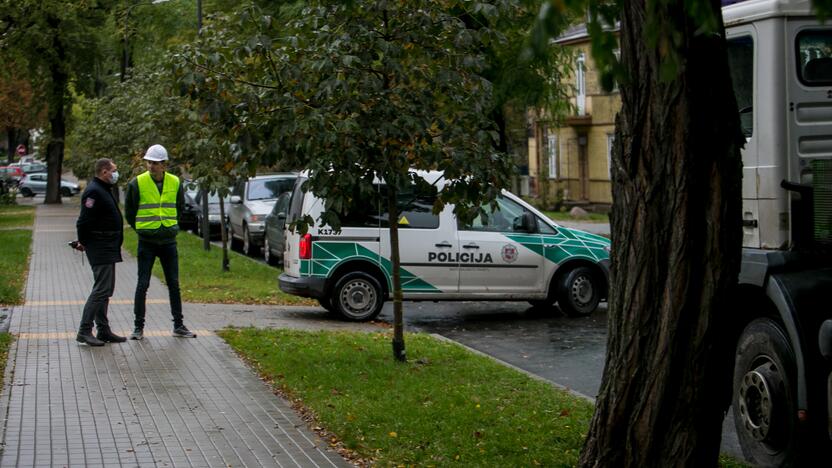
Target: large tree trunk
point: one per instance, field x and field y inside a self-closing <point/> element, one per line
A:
<point x="59" y="81"/>
<point x="676" y="246"/>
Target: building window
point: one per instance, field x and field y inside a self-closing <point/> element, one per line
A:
<point x="610" y="142"/>
<point x="553" y="155"/>
<point x="615" y="88"/>
<point x="580" y="83"/>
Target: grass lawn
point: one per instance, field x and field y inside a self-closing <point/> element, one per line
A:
<point x="445" y="406"/>
<point x="591" y="217"/>
<point x="201" y="278"/>
<point x="13" y="216"/>
<point x="14" y="256"/>
<point x="5" y="343"/>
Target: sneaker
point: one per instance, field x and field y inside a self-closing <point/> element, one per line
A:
<point x="137" y="334"/>
<point x="183" y="332"/>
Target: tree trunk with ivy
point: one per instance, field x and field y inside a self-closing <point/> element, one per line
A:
<point x="57" y="118"/>
<point x="676" y="236"/>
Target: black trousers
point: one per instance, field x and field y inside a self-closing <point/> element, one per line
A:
<point x="169" y="258"/>
<point x="95" y="310"/>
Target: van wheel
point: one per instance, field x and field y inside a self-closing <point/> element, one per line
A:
<point x="267" y="252"/>
<point x="580" y="292"/>
<point x="764" y="400"/>
<point x="357" y="297"/>
<point x="326" y="303"/>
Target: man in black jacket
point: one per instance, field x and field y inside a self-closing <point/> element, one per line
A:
<point x="100" y="234"/>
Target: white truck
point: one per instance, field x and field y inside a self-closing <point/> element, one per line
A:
<point x="781" y="64"/>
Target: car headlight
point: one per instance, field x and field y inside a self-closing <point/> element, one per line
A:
<point x="256" y="218"/>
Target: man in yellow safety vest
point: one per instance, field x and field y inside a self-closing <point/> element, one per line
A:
<point x="152" y="206"/>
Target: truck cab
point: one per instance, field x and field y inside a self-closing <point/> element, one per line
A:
<point x="780" y="56"/>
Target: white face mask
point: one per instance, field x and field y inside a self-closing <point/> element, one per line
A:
<point x="114" y="177"/>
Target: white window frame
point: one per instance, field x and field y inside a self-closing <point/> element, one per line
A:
<point x="552" y="151"/>
<point x="580" y="83"/>
<point x="610" y="143"/>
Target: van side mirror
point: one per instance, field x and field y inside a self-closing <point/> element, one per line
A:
<point x="525" y="222"/>
<point x="235" y="200"/>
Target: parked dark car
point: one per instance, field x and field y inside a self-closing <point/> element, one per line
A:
<point x="214" y="224"/>
<point x="34" y="184"/>
<point x="187" y="219"/>
<point x="274" y="239"/>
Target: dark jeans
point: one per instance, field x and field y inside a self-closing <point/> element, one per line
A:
<point x="169" y="258"/>
<point x="95" y="309"/>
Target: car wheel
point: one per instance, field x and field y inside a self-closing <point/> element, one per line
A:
<point x="248" y="247"/>
<point x="65" y="192"/>
<point x="267" y="252"/>
<point x="198" y="227"/>
<point x="764" y="398"/>
<point x="27" y="192"/>
<point x="580" y="292"/>
<point x="357" y="297"/>
<point x="236" y="244"/>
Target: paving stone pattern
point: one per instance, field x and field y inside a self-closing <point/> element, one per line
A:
<point x="163" y="401"/>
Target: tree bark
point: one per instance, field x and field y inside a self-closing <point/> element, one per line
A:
<point x="677" y="239"/>
<point x="399" y="352"/>
<point x="59" y="81"/>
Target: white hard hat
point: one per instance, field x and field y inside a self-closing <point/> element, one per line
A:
<point x="156" y="153"/>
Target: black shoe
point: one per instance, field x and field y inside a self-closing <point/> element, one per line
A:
<point x="109" y="337"/>
<point x="89" y="339"/>
<point x="183" y="332"/>
<point x="137" y="334"/>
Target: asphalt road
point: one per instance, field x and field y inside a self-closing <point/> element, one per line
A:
<point x="567" y="351"/>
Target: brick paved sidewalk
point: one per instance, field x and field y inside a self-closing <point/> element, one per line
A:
<point x="163" y="401"/>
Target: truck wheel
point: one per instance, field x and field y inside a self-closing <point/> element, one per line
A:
<point x="580" y="292"/>
<point x="764" y="401"/>
<point x="357" y="297"/>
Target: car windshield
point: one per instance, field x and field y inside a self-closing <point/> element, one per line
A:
<point x="268" y="189"/>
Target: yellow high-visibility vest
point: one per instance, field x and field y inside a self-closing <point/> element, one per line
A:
<point x="155" y="209"/>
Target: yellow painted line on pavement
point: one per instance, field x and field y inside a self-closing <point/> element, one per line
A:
<point x="82" y="302"/>
<point x="71" y="335"/>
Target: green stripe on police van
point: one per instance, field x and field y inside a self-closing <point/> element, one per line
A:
<point x="327" y="255"/>
<point x="565" y="244"/>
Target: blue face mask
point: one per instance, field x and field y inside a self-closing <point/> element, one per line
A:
<point x="114" y="177"/>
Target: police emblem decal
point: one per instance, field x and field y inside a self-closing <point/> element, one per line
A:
<point x="89" y="202"/>
<point x="509" y="253"/>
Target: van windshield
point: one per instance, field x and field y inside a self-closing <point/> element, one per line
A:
<point x="296" y="201"/>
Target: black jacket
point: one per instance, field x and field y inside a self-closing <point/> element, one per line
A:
<point x="100" y="226"/>
<point x="163" y="235"/>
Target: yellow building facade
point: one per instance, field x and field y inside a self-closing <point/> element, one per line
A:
<point x="569" y="158"/>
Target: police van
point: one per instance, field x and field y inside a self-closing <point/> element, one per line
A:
<point x="513" y="253"/>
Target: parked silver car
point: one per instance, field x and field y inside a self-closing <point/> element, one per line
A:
<point x="251" y="201"/>
<point x="34" y="184"/>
